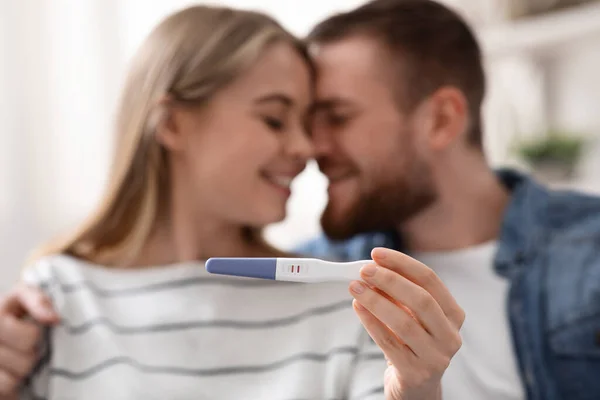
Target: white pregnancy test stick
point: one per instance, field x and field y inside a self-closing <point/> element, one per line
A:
<point x="308" y="270"/>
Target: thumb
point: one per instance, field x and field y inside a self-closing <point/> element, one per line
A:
<point x="28" y="301"/>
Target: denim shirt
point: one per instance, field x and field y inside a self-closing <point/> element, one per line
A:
<point x="549" y="250"/>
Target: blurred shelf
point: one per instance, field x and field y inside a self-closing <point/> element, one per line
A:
<point x="542" y="34"/>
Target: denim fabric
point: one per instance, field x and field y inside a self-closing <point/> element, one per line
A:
<point x="549" y="250"/>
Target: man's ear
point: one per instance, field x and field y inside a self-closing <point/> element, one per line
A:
<point x="169" y="132"/>
<point x="447" y="117"/>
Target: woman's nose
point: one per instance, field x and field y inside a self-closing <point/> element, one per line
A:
<point x="300" y="145"/>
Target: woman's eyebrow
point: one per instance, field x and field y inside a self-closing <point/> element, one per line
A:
<point x="275" y="97"/>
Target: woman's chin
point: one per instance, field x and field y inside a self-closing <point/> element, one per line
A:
<point x="270" y="216"/>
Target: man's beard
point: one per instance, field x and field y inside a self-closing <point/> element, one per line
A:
<point x="392" y="201"/>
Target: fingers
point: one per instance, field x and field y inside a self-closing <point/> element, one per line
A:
<point x="22" y="336"/>
<point x="395" y="351"/>
<point x="401" y="324"/>
<point x="423" y="276"/>
<point x="19" y="336"/>
<point x="413" y="297"/>
<point x="16" y="363"/>
<point x="412" y="317"/>
<point x="27" y="300"/>
<point x="8" y="385"/>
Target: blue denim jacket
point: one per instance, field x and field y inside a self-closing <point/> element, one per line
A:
<point x="549" y="250"/>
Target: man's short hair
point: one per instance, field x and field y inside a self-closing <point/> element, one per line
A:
<point x="432" y="44"/>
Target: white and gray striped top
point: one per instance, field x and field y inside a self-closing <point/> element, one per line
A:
<point x="177" y="332"/>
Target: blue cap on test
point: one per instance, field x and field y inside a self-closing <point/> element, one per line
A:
<point x="263" y="268"/>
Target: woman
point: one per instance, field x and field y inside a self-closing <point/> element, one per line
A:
<point x="211" y="131"/>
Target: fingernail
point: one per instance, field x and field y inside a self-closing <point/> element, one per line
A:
<point x="357" y="287"/>
<point x="379" y="252"/>
<point x="368" y="270"/>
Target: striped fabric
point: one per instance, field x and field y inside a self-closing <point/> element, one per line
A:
<point x="176" y="332"/>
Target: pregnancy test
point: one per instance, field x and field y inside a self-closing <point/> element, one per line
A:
<point x="309" y="270"/>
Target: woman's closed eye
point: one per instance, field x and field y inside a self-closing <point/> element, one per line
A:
<point x="275" y="124"/>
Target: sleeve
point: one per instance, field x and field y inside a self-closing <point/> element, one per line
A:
<point x="36" y="385"/>
<point x="367" y="377"/>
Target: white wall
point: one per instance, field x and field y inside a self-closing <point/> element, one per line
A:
<point x="62" y="62"/>
<point x="575" y="101"/>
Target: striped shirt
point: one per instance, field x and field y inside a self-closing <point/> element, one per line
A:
<point x="177" y="332"/>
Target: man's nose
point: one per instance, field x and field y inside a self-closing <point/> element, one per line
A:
<point x="322" y="142"/>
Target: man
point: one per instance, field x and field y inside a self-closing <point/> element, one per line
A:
<point x="398" y="132"/>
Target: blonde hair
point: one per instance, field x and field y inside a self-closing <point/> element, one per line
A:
<point x="189" y="56"/>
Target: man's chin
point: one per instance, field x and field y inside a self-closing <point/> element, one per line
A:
<point x="337" y="225"/>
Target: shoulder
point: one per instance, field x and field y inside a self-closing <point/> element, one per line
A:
<point x="561" y="212"/>
<point x="58" y="274"/>
<point x="50" y="268"/>
<point x="569" y="214"/>
<point x="356" y="248"/>
<point x="54" y="274"/>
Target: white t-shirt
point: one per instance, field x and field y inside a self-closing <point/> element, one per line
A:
<point x="485" y="367"/>
<point x="177" y="332"/>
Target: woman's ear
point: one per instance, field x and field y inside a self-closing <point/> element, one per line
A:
<point x="169" y="126"/>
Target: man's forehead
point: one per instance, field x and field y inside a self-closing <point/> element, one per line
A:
<point x="346" y="68"/>
<point x="352" y="55"/>
<point x="336" y="90"/>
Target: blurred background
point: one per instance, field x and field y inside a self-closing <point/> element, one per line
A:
<point x="62" y="63"/>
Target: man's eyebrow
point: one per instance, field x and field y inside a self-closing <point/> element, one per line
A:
<point x="329" y="103"/>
